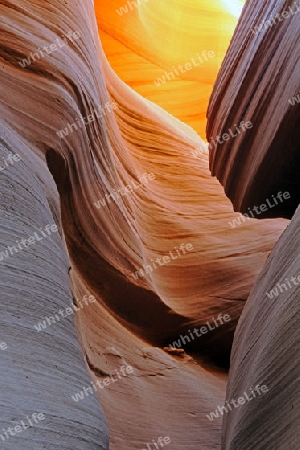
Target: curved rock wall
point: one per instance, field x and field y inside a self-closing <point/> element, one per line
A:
<point x="39" y="369"/>
<point x="266" y="353"/>
<point x="259" y="82"/>
<point x="134" y="189"/>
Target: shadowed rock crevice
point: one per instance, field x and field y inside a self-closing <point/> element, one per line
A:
<point x="111" y="228"/>
<point x="259" y="82"/>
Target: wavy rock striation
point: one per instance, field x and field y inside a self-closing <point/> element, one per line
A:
<point x="38" y="369"/>
<point x="259" y="82"/>
<point x="94" y="148"/>
<point x="266" y="352"/>
<point x="160" y="48"/>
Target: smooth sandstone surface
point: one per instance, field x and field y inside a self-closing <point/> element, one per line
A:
<point x="146" y="42"/>
<point x="132" y="319"/>
<point x="266" y="352"/>
<point x="39" y="369"/>
<point x="257" y="82"/>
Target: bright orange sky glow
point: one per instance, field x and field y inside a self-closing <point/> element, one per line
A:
<point x="144" y="40"/>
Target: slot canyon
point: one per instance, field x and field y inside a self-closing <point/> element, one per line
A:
<point x="150" y="225"/>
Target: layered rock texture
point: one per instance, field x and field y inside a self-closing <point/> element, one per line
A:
<point x="259" y="82"/>
<point x="143" y="228"/>
<point x="266" y="352"/>
<point x="160" y="48"/>
<point x="38" y="369"/>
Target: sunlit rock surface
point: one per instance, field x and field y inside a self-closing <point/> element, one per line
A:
<point x="107" y="242"/>
<point x="259" y="82"/>
<point x="149" y="42"/>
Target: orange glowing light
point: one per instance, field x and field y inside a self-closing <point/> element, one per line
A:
<point x="163" y="49"/>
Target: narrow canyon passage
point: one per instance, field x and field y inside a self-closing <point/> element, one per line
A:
<point x="119" y="325"/>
